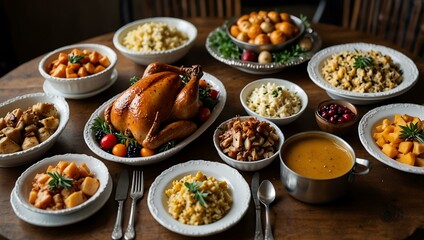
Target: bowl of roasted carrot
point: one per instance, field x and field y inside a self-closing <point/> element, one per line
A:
<point x="78" y="68"/>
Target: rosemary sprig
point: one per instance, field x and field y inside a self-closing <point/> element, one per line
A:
<point x="75" y="58"/>
<point x="198" y="195"/>
<point x="412" y="132"/>
<point x="100" y="124"/>
<point x="122" y="138"/>
<point x="363" y="62"/>
<point x="59" y="180"/>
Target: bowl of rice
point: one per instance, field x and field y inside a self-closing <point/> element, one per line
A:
<point x="158" y="39"/>
<point x="276" y="100"/>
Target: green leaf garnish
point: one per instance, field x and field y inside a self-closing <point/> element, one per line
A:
<point x="412" y="132"/>
<point x="100" y="124"/>
<point x="75" y="58"/>
<point x="59" y="180"/>
<point x="363" y="61"/>
<point x="198" y="195"/>
<point x="222" y="42"/>
<point x="133" y="80"/>
<point x="284" y="56"/>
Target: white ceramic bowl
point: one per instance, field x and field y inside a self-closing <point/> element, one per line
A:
<point x="23" y="185"/>
<point x="166" y="56"/>
<point x="23" y="102"/>
<point x="244" y="165"/>
<point x="248" y="89"/>
<point x="81" y="85"/>
<point x="407" y="66"/>
<point x="373" y="117"/>
<point x="238" y="188"/>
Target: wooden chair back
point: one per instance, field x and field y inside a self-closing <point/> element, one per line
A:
<point x="399" y="21"/>
<point x="190" y="8"/>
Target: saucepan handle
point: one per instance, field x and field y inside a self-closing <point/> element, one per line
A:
<point x="363" y="169"/>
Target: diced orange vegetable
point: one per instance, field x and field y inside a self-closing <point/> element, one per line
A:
<point x="63" y="58"/>
<point x="380" y="141"/>
<point x="99" y="68"/>
<point x="82" y="72"/>
<point x="60" y="71"/>
<point x="72" y="171"/>
<point x="89" y="67"/>
<point x="89" y="186"/>
<point x="419" y="162"/>
<point x="70" y="73"/>
<point x="389" y="150"/>
<point x="32" y="196"/>
<point x="104" y="61"/>
<point x="94" y="57"/>
<point x="74" y="66"/>
<point x="408" y="158"/>
<point x="43" y="200"/>
<point x="418" y="148"/>
<point x="61" y="166"/>
<point x="405" y="147"/>
<point x="74" y="199"/>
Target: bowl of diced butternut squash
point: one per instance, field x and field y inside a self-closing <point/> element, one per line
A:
<point x="62" y="184"/>
<point x="394" y="135"/>
<point x="78" y="68"/>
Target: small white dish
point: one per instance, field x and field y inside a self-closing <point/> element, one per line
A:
<point x="23" y="102"/>
<point x="260" y="68"/>
<point x="249" y="88"/>
<point x="407" y="66"/>
<point x="165" y="56"/>
<point x="79" y="85"/>
<point x="244" y="165"/>
<point x="44" y="220"/>
<point x="23" y="185"/>
<point x="48" y="88"/>
<point x="239" y="190"/>
<point x="90" y="140"/>
<point x="374" y="117"/>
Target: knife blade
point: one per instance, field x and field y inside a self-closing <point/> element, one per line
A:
<point x="254" y="188"/>
<point x="120" y="196"/>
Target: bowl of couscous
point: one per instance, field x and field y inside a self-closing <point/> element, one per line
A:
<point x="158" y="39"/>
<point x="275" y="100"/>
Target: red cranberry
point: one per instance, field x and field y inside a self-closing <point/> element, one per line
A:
<point x="336" y="113"/>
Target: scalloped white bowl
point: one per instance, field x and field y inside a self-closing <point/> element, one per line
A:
<point x="248" y="89"/>
<point x="81" y="85"/>
<point x="244" y="165"/>
<point x="408" y="67"/>
<point x="165" y="56"/>
<point x="23" y="102"/>
<point x="23" y="185"/>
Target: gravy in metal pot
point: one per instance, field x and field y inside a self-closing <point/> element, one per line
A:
<point x="318" y="157"/>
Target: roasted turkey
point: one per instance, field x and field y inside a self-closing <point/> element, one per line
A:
<point x="159" y="107"/>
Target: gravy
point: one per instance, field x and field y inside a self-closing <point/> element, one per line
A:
<point x="317" y="157"/>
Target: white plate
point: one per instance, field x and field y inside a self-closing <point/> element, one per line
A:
<point x="258" y="68"/>
<point x="239" y="190"/>
<point x="374" y="117"/>
<point x="44" y="220"/>
<point x="48" y="88"/>
<point x="90" y="140"/>
<point x="408" y="67"/>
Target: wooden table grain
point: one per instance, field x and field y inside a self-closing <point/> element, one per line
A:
<point x="385" y="204"/>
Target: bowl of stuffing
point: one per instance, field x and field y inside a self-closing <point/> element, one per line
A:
<point x="29" y="126"/>
<point x="158" y="39"/>
<point x="79" y="68"/>
<point x="247" y="143"/>
<point x="63" y="184"/>
<point x="275" y="100"/>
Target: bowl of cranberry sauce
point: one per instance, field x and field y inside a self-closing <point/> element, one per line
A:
<point x="336" y="116"/>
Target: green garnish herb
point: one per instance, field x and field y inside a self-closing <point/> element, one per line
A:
<point x="166" y="146"/>
<point x="284" y="56"/>
<point x="124" y="139"/>
<point x="198" y="195"/>
<point x="363" y="62"/>
<point x="59" y="180"/>
<point x="100" y="124"/>
<point x="412" y="132"/>
<point x="75" y="58"/>
<point x="224" y="45"/>
<point x="133" y="80"/>
<point x="275" y="93"/>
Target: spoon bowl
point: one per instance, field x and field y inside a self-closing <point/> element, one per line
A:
<point x="266" y="194"/>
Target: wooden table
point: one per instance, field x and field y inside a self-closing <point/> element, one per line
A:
<point x="385" y="204"/>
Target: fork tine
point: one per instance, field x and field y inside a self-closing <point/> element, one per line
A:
<point x="133" y="182"/>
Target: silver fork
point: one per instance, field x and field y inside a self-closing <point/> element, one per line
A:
<point x="137" y="192"/>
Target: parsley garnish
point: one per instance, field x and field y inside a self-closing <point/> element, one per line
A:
<point x="75" y="58"/>
<point x="198" y="195"/>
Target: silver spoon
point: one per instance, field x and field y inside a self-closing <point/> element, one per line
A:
<point x="266" y="194"/>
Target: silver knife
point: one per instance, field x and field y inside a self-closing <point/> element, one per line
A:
<point x="120" y="196"/>
<point x="254" y="187"/>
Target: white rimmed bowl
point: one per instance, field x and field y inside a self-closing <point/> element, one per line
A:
<point x="238" y="188"/>
<point x="407" y="66"/>
<point x="23" y="185"/>
<point x="23" y="102"/>
<point x="245" y="165"/>
<point x="165" y="56"/>
<point x="248" y="89"/>
<point x="373" y="117"/>
<point x="80" y="85"/>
